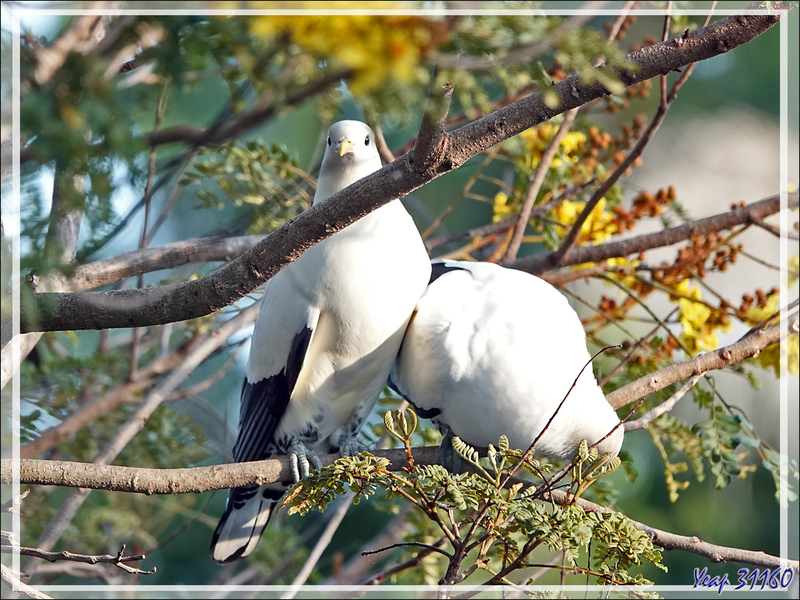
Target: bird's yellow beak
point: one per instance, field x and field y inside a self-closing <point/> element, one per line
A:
<point x="345" y="146"/>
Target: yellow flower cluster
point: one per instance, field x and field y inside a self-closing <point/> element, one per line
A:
<point x="621" y="262"/>
<point x="500" y="207"/>
<point x="783" y="356"/>
<point x="794" y="270"/>
<point x="756" y="314"/>
<point x="599" y="227"/>
<point x="537" y="139"/>
<point x="778" y="357"/>
<point x="376" y="47"/>
<point x="699" y="330"/>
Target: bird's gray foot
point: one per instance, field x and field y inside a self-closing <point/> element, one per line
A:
<point x="300" y="456"/>
<point x="348" y="446"/>
<point x="447" y="455"/>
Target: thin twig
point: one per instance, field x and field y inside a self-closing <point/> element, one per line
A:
<point x="547" y="158"/>
<point x="345" y="502"/>
<point x="664" y="407"/>
<point x="412" y="562"/>
<point x="536" y="184"/>
<point x="405" y="544"/>
<point x="118" y="560"/>
<point x="12" y="579"/>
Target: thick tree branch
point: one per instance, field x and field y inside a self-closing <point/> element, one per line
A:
<point x="747" y="347"/>
<point x="666" y="406"/>
<point x="102" y="310"/>
<point x="204" y="479"/>
<point x="146" y="260"/>
<point x="176" y="481"/>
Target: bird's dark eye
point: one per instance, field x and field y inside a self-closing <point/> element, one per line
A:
<point x="366" y="141"/>
<point x="329" y="140"/>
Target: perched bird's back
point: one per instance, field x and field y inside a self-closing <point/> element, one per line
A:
<point x="492" y="351"/>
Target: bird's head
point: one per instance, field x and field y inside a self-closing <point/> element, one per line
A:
<point x="350" y="155"/>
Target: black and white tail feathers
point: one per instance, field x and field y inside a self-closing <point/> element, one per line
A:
<point x="247" y="513"/>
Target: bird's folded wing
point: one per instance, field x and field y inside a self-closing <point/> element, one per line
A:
<point x="281" y="338"/>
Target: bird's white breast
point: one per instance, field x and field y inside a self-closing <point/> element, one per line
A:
<point x="364" y="283"/>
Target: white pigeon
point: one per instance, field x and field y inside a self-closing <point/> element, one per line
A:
<point x="492" y="351"/>
<point x="327" y="333"/>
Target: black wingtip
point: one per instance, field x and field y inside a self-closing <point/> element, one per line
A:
<point x="440" y="268"/>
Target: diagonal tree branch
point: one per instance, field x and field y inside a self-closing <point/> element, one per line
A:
<point x="539" y="263"/>
<point x="102" y="310"/>
<point x="747" y="347"/>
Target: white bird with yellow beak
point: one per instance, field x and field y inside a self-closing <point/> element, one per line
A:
<point x="328" y="331"/>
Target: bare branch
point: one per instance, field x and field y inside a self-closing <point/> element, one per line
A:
<point x="403" y="545"/>
<point x="146" y="260"/>
<point x="117" y="560"/>
<point x="539" y="263"/>
<point x="202" y="479"/>
<point x="176" y="481"/>
<point x="412" y="562"/>
<point x="432" y="142"/>
<point x="664" y="407"/>
<point x="200" y="297"/>
<point x="79" y="30"/>
<point x="12" y="579"/>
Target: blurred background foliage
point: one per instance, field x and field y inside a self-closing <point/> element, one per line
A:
<point x="709" y="469"/>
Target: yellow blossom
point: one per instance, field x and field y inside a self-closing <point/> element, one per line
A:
<point x="757" y="314"/>
<point x="500" y="207"/>
<point x="782" y="357"/>
<point x="794" y="270"/>
<point x="627" y="280"/>
<point x="375" y="47"/>
<point x="698" y="334"/>
<point x="597" y="228"/>
<point x="537" y="139"/>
